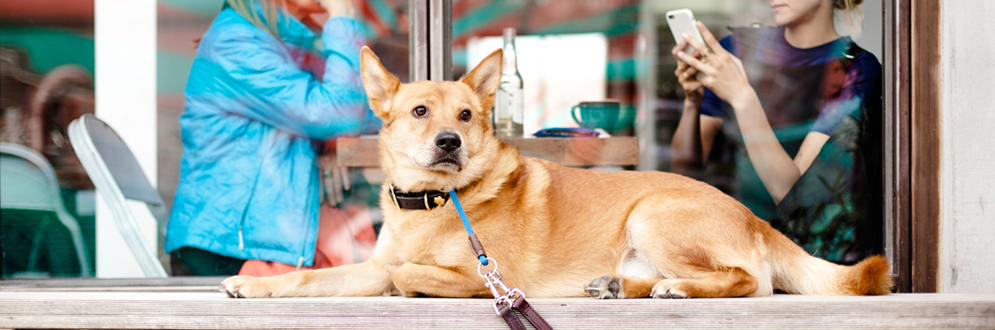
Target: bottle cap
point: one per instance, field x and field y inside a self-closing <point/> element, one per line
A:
<point x="509" y="33"/>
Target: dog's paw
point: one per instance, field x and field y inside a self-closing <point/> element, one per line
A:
<point x="245" y="287"/>
<point x="605" y="287"/>
<point x="666" y="290"/>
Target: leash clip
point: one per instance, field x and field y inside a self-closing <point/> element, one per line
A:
<point x="501" y="302"/>
<point x="493" y="282"/>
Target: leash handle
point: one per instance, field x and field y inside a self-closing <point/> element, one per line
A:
<point x="530" y="314"/>
<point x="507" y="312"/>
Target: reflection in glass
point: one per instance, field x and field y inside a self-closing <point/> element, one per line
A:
<point x="833" y="210"/>
<point x="801" y="146"/>
<point x="46" y="81"/>
<point x="569" y="52"/>
<point x="271" y="84"/>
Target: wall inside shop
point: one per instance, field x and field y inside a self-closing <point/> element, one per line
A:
<point x="967" y="206"/>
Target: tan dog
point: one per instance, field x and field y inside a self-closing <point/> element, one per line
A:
<point x="551" y="228"/>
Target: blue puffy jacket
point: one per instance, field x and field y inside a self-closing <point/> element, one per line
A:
<point x="249" y="183"/>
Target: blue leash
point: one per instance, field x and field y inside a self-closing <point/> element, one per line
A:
<point x="475" y="245"/>
<point x="512" y="299"/>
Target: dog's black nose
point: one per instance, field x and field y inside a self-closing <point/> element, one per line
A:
<point x="448" y="141"/>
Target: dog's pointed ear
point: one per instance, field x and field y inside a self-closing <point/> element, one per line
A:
<point x="380" y="85"/>
<point x="485" y="78"/>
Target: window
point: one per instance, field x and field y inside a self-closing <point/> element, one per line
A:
<point x="569" y="52"/>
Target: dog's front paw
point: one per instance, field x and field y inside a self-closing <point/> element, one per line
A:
<point x="667" y="289"/>
<point x="605" y="287"/>
<point x="245" y="287"/>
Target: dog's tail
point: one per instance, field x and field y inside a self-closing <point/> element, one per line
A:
<point x="795" y="271"/>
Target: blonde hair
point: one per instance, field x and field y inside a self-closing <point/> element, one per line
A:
<point x="851" y="11"/>
<point x="268" y="20"/>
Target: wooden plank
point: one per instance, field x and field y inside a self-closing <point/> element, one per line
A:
<point x="164" y="288"/>
<point x="164" y="310"/>
<point x="925" y="137"/>
<point x="581" y="151"/>
<point x="357" y="152"/>
<point x="119" y="283"/>
<point x="897" y="127"/>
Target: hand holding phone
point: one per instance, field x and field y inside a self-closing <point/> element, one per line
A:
<point x="681" y="21"/>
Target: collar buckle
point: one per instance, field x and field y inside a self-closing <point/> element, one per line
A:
<point x="425" y="200"/>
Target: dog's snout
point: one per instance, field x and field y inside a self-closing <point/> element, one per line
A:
<point x="448" y="141"/>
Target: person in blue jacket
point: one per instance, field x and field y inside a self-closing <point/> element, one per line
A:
<point x="264" y="90"/>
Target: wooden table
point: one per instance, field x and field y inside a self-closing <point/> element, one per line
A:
<point x="576" y="151"/>
<point x="205" y="308"/>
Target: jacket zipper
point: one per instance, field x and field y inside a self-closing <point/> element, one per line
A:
<point x="245" y="211"/>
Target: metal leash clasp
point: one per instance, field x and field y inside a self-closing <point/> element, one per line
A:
<point x="494" y="283"/>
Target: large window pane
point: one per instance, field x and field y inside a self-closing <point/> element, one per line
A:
<point x="46" y="81"/>
<point x="811" y="166"/>
<point x="346" y="214"/>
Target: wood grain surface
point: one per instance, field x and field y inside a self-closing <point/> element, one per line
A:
<point x="213" y="310"/>
<point x="578" y="151"/>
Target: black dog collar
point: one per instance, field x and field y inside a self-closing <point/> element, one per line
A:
<point x="425" y="200"/>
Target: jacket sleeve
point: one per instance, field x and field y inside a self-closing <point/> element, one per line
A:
<point x="271" y="88"/>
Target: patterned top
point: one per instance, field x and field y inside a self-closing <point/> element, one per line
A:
<point x="834" y="210"/>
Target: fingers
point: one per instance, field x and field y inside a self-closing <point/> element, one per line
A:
<point x="679" y="48"/>
<point x="698" y="46"/>
<point x="709" y="38"/>
<point x="688" y="74"/>
<point x="684" y="72"/>
<point x="695" y="63"/>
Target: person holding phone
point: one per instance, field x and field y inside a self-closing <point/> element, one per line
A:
<point x="269" y="83"/>
<point x="801" y="108"/>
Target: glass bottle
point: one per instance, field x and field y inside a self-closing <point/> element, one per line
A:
<point x="509" y="108"/>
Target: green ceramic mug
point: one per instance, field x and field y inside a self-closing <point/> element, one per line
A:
<point x="601" y="114"/>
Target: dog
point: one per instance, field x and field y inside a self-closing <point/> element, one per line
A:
<point x="554" y="231"/>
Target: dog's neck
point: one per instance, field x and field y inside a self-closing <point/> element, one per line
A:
<point x="485" y="185"/>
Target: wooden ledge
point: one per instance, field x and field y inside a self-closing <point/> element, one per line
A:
<point x="203" y="310"/>
<point x="575" y="151"/>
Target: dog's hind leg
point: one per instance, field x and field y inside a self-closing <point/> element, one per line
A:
<point x="734" y="282"/>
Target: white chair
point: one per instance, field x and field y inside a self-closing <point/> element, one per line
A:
<point x="27" y="182"/>
<point x="118" y="177"/>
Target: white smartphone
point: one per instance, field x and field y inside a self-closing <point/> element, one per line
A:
<point x="682" y="21"/>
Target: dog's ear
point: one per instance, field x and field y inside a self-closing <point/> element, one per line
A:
<point x="485" y="78"/>
<point x="380" y="84"/>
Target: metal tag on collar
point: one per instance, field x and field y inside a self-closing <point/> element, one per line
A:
<point x="393" y="196"/>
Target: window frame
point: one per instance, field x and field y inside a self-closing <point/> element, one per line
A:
<point x="911" y="141"/>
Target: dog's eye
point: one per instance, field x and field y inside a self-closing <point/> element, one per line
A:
<point x="419" y="112"/>
<point x="465" y="115"/>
